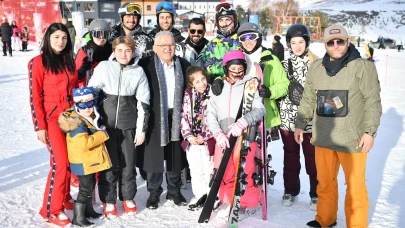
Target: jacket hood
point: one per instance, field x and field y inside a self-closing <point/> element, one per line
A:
<point x="69" y="121"/>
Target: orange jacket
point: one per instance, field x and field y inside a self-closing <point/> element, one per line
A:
<point x="50" y="94"/>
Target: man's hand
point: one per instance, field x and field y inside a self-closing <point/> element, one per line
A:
<point x="367" y="142"/>
<point x="199" y="140"/>
<point x="217" y="86"/>
<point x="42" y="135"/>
<point x="139" y="140"/>
<point x="299" y="135"/>
<point x="192" y="140"/>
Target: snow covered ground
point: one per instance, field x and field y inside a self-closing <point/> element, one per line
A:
<point x="24" y="163"/>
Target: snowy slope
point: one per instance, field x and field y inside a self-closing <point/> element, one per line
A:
<point x="24" y="163"/>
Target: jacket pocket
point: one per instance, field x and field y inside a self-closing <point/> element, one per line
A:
<point x="50" y="114"/>
<point x="332" y="103"/>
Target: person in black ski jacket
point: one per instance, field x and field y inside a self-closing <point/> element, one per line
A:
<point x="6" y="33"/>
<point x="130" y="14"/>
<point x="278" y="48"/>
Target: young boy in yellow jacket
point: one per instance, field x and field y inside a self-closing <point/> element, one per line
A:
<point x="86" y="150"/>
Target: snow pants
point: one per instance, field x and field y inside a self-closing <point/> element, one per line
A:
<point x="201" y="165"/>
<point x="292" y="164"/>
<point x="251" y="197"/>
<point x="356" y="202"/>
<point x="86" y="187"/>
<point x="57" y="189"/>
<point x="15" y="43"/>
<point x="121" y="149"/>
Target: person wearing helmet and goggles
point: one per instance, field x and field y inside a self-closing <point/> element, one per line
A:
<point x="296" y="66"/>
<point x="275" y="82"/>
<point x="165" y="16"/>
<point x="97" y="49"/>
<point x="227" y="22"/>
<point x="222" y="114"/>
<point x="130" y="15"/>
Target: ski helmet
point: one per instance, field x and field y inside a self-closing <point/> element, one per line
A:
<point x="234" y="57"/>
<point x="130" y="8"/>
<point x="250" y="28"/>
<point x="225" y="9"/>
<point x="165" y="7"/>
<point x="298" y="30"/>
<point x="99" y="28"/>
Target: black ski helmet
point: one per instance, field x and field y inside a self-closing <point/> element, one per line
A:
<point x="250" y="28"/>
<point x="225" y="9"/>
<point x="298" y="30"/>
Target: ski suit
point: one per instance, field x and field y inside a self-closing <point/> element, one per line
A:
<point x="50" y="95"/>
<point x="215" y="51"/>
<point x="221" y="113"/>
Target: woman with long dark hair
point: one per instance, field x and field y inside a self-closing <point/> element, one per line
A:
<point x="15" y="38"/>
<point x="52" y="76"/>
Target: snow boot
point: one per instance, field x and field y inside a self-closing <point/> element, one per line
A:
<point x="90" y="212"/>
<point x="314" y="202"/>
<point x="177" y="198"/>
<point x="288" y="200"/>
<point x="197" y="204"/>
<point x="152" y="202"/>
<point x="79" y="218"/>
<point x="315" y="224"/>
<point x="129" y="207"/>
<point x="110" y="210"/>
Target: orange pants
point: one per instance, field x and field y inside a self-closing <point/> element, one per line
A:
<point x="356" y="202"/>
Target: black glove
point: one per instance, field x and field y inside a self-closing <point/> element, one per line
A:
<point x="86" y="65"/>
<point x="217" y="86"/>
<point x="264" y="92"/>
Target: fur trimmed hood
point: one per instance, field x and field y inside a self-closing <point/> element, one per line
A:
<point x="69" y="121"/>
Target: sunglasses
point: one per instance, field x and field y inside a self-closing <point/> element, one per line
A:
<point x="199" y="31"/>
<point x="131" y="9"/>
<point x="100" y="34"/>
<point x="339" y="42"/>
<point x="248" y="36"/>
<point x="223" y="7"/>
<point x="84" y="105"/>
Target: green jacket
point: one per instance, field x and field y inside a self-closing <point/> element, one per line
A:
<point x="359" y="112"/>
<point x="276" y="80"/>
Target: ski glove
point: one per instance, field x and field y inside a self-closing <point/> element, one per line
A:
<point x="264" y="92"/>
<point x="237" y="128"/>
<point x="217" y="86"/>
<point x="86" y="65"/>
<point x="222" y="139"/>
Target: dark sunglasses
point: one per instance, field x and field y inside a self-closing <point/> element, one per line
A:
<point x="84" y="105"/>
<point x="199" y="31"/>
<point x="332" y="43"/>
<point x="223" y="7"/>
<point x="100" y="34"/>
<point x="249" y="36"/>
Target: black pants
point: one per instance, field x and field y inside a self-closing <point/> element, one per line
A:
<point x="24" y="45"/>
<point x="8" y="45"/>
<point x="154" y="182"/>
<point x="122" y="152"/>
<point x="86" y="187"/>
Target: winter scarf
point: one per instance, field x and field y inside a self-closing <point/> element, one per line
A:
<point x="333" y="67"/>
<point x="100" y="53"/>
<point x="198" y="110"/>
<point x="178" y="101"/>
<point x="199" y="46"/>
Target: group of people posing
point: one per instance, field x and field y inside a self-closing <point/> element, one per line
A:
<point x="159" y="101"/>
<point x="13" y="37"/>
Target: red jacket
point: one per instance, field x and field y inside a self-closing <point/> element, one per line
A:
<point x="50" y="94"/>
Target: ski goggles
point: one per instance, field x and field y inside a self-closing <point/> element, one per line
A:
<point x="249" y="36"/>
<point x="100" y="34"/>
<point x="84" y="105"/>
<point x="131" y="9"/>
<point x="164" y="6"/>
<point x="223" y="7"/>
<point x="339" y="42"/>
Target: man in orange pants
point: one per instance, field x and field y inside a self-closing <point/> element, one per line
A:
<point x="342" y="98"/>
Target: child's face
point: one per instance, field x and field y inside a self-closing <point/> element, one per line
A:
<point x="235" y="73"/>
<point x="86" y="112"/>
<point x="199" y="82"/>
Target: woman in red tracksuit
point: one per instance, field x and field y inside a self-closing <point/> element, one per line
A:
<point x="52" y="76"/>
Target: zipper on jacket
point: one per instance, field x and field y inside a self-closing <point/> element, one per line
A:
<point x="119" y="91"/>
<point x="50" y="114"/>
<point x="229" y="106"/>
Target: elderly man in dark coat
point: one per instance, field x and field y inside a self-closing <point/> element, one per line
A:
<point x="6" y="33"/>
<point x="166" y="77"/>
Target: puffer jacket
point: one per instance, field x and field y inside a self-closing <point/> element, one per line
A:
<point x="215" y="51"/>
<point x="123" y="95"/>
<point x="343" y="105"/>
<point x="223" y="109"/>
<point x="87" y="153"/>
